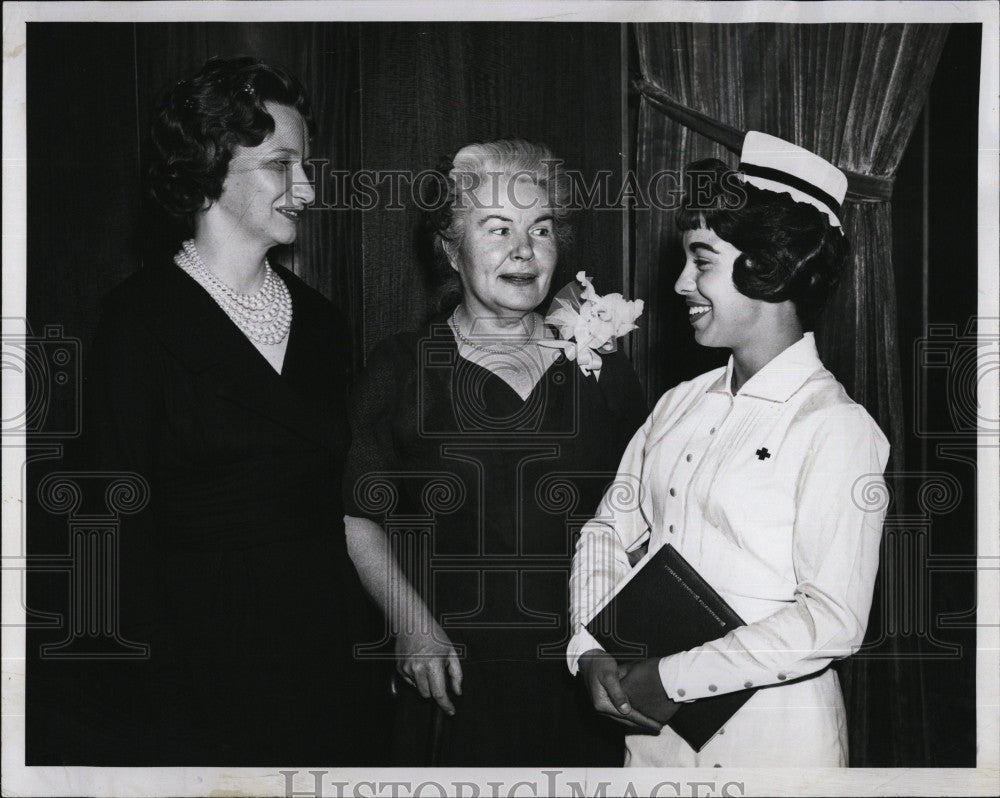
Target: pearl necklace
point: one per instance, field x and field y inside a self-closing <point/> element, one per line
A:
<point x="264" y="317"/>
<point x="495" y="349"/>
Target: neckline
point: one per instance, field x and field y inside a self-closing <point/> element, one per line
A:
<point x="444" y="331"/>
<point x="212" y="310"/>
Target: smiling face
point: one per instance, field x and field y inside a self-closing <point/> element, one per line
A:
<point x="720" y="314"/>
<point x="266" y="188"/>
<point x="508" y="252"/>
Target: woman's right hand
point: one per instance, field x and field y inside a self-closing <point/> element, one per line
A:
<point x="602" y="675"/>
<point x="427" y="660"/>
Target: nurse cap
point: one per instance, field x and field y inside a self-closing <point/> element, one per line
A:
<point x="774" y="164"/>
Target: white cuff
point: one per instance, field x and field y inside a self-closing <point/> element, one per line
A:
<point x="582" y="642"/>
<point x="668" y="677"/>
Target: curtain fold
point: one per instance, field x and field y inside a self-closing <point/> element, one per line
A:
<point x="851" y="93"/>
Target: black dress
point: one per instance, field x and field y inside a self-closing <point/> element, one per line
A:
<point x="236" y="573"/>
<point x="482" y="494"/>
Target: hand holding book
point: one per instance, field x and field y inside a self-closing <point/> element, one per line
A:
<point x="662" y="608"/>
<point x="645" y="691"/>
<point x="602" y="675"/>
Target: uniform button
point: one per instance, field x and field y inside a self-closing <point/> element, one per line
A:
<point x="716" y="765"/>
<point x="688" y="458"/>
<point x="681" y="693"/>
<point x="671" y="529"/>
<point x="711" y="431"/>
<point x="722" y="731"/>
<point x="782" y="677"/>
<point x="712" y="688"/>
<point x="673" y="492"/>
<point x="748" y="685"/>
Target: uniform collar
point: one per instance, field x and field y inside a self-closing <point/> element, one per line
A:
<point x="781" y="377"/>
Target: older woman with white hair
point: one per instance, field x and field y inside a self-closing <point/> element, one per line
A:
<point x="474" y="448"/>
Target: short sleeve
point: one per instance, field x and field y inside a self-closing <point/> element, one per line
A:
<point x="371" y="472"/>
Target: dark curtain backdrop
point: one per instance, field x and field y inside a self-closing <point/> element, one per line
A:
<point x="84" y="173"/>
<point x="933" y="536"/>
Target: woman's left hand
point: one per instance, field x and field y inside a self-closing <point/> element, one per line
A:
<point x="644" y="688"/>
<point x="427" y="661"/>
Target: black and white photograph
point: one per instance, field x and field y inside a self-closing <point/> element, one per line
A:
<point x="608" y="405"/>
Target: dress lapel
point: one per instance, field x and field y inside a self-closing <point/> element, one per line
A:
<point x="199" y="333"/>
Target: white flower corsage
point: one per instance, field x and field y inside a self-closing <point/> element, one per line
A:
<point x="589" y="324"/>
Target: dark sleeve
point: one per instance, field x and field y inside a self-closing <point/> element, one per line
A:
<point x="372" y="468"/>
<point x="122" y="391"/>
<point x="123" y="704"/>
<point x="624" y="394"/>
<point x="123" y="395"/>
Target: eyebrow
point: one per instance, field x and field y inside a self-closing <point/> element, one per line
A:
<point x="546" y="218"/>
<point x="284" y="151"/>
<point x="696" y="245"/>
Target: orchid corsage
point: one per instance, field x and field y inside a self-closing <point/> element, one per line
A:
<point x="589" y="324"/>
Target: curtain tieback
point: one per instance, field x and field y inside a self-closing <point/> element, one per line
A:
<point x="860" y="187"/>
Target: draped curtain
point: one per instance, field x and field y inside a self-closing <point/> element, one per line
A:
<point x="851" y="93"/>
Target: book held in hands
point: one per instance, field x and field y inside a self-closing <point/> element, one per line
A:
<point x="662" y="608"/>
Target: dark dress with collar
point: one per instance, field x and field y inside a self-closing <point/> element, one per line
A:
<point x="236" y="573"/>
<point x="482" y="495"/>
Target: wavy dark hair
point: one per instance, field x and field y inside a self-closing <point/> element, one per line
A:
<point x="789" y="250"/>
<point x="203" y="118"/>
<point x="444" y="209"/>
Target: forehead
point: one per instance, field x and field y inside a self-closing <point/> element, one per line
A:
<point x="703" y="241"/>
<point x="518" y="197"/>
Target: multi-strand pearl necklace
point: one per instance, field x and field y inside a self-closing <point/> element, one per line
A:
<point x="265" y="316"/>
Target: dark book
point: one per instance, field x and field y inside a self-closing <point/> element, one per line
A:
<point x="666" y="607"/>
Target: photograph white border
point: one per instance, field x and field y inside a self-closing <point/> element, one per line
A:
<point x="43" y="781"/>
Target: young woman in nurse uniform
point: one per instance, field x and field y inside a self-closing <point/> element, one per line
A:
<point x="756" y="474"/>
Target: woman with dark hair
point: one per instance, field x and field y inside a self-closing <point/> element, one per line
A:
<point x="221" y="380"/>
<point x="757" y="473"/>
<point x="474" y="448"/>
